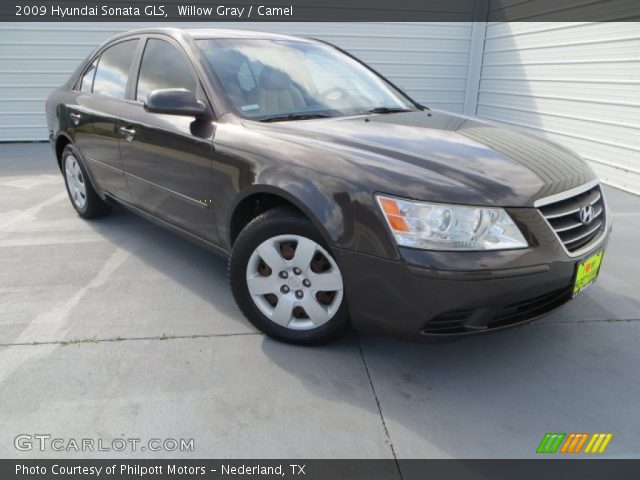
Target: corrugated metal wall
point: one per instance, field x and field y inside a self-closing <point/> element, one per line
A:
<point x="575" y="83"/>
<point x="428" y="60"/>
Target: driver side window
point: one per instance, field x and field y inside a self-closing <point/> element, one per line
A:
<point x="163" y="66"/>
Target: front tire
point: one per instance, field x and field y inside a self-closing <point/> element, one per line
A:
<point x="79" y="187"/>
<point x="285" y="280"/>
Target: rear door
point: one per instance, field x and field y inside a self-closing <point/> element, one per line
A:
<point x="94" y="116"/>
<point x="168" y="158"/>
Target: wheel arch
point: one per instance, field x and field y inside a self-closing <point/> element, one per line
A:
<point x="260" y="198"/>
<point x="62" y="140"/>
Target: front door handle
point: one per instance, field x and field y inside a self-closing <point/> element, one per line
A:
<point x="75" y="117"/>
<point x="128" y="133"/>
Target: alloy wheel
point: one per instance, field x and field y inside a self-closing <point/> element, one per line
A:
<point x="75" y="181"/>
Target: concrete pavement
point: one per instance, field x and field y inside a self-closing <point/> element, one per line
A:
<point x="115" y="328"/>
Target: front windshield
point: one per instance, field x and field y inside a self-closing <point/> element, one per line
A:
<point x="282" y="79"/>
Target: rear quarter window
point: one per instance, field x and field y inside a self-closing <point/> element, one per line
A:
<point x="86" y="84"/>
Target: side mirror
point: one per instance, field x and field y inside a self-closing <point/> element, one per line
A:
<point x="175" y="101"/>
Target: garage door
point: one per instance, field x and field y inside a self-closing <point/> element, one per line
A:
<point x="578" y="84"/>
<point x="428" y="60"/>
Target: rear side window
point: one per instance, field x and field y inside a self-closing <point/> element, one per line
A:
<point x="113" y="69"/>
<point x="163" y="66"/>
<point x="87" y="79"/>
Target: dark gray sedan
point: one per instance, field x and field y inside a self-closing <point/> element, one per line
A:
<point x="339" y="200"/>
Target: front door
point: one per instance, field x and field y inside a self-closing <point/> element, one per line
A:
<point x="167" y="158"/>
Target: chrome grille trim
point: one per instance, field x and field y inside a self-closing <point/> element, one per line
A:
<point x="566" y="194"/>
<point x="561" y="213"/>
<point x="574" y="205"/>
<point x="567" y="224"/>
<point x="582" y="235"/>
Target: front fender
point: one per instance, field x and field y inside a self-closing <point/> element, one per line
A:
<point x="345" y="216"/>
<point x="325" y="185"/>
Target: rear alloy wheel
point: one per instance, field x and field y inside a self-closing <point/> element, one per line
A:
<point x="286" y="282"/>
<point x="75" y="181"/>
<point x="81" y="192"/>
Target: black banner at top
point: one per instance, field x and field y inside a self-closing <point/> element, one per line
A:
<point x="319" y="10"/>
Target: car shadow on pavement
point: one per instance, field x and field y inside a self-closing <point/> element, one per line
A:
<point x="457" y="399"/>
<point x="190" y="267"/>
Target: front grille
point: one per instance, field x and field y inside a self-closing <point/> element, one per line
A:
<point x="564" y="216"/>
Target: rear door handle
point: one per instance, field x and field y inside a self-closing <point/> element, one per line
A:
<point x="75" y="117"/>
<point x="128" y="133"/>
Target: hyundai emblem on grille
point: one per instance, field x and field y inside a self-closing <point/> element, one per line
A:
<point x="586" y="214"/>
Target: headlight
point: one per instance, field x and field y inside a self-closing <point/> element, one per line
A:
<point x="438" y="226"/>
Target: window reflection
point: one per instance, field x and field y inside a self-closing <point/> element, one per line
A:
<point x="263" y="77"/>
<point x="87" y="78"/>
<point x="113" y="69"/>
<point x="163" y="67"/>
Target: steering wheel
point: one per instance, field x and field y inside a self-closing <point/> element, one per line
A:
<point x="329" y="91"/>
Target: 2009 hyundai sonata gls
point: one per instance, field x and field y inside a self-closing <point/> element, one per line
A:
<point x="339" y="200"/>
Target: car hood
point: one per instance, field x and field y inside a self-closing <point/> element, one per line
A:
<point x="438" y="156"/>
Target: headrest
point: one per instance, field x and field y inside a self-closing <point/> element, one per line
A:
<point x="274" y="79"/>
<point x="226" y="62"/>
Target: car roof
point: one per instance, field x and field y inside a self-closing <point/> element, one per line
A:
<point x="201" y="33"/>
<point x="228" y="33"/>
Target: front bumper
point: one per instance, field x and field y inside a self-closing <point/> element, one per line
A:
<point x="432" y="295"/>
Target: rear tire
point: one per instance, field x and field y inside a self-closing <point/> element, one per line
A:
<point x="285" y="280"/>
<point x="79" y="187"/>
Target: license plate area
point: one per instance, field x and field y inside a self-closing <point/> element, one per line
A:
<point x="587" y="272"/>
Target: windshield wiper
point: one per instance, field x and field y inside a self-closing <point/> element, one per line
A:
<point x="295" y="116"/>
<point x="388" y="110"/>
